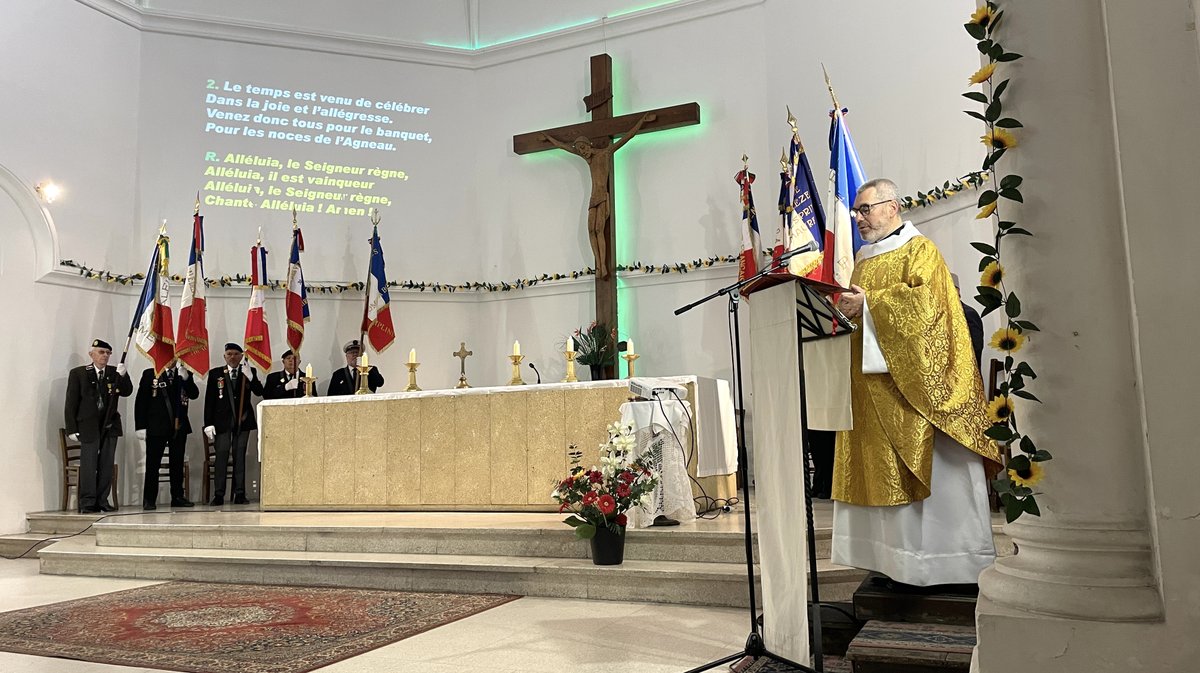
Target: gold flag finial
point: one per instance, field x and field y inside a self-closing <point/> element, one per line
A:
<point x="745" y="162"/>
<point x="783" y="160"/>
<point x="197" y="210"/>
<point x="375" y="218"/>
<point x="260" y="235"/>
<point x="829" y="85"/>
<point x="162" y="228"/>
<point x="293" y="216"/>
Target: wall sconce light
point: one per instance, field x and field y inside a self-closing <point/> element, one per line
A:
<point x="48" y="191"/>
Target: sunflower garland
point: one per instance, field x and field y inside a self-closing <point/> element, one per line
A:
<point x="1024" y="470"/>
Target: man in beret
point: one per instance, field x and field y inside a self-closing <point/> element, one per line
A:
<point x="286" y="384"/>
<point x="228" y="419"/>
<point x="160" y="414"/>
<point x="344" y="381"/>
<point x="93" y="420"/>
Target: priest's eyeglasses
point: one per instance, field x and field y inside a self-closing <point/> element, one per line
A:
<point x="865" y="209"/>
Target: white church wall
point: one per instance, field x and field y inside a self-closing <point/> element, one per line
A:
<point x="71" y="86"/>
<point x="472" y="210"/>
<point x="676" y="194"/>
<point x="70" y="82"/>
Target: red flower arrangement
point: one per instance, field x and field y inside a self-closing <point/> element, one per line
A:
<point x="599" y="497"/>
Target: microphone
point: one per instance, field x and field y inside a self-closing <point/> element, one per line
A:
<point x="807" y="247"/>
<point x="535" y="371"/>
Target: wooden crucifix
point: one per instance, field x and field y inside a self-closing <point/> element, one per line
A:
<point x="593" y="142"/>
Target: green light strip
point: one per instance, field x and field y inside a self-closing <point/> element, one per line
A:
<point x="555" y="29"/>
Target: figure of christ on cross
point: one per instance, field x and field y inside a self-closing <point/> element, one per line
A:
<point x="595" y="141"/>
<point x="599" y="160"/>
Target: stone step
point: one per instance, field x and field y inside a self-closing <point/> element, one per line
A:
<point x="949" y="604"/>
<point x="59" y="523"/>
<point x="546" y="538"/>
<point x="26" y="544"/>
<point x="717" y="584"/>
<point x="896" y="647"/>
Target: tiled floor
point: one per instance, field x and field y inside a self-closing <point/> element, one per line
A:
<point x="528" y="635"/>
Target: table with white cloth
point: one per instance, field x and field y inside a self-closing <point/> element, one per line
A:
<point x="661" y="432"/>
<point x="476" y="449"/>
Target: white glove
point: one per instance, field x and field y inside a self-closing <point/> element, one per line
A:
<point x="120" y="369"/>
<point x="74" y="436"/>
<point x="292" y="385"/>
<point x="141" y="434"/>
<point x="244" y="368"/>
<point x="210" y="432"/>
<point x="182" y="371"/>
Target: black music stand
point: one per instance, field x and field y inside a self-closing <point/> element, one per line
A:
<point x="815" y="315"/>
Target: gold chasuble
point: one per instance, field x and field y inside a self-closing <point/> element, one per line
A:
<point x="930" y="381"/>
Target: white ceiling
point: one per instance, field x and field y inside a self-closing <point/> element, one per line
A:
<point x="463" y="24"/>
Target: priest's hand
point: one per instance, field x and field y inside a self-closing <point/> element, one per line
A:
<point x="851" y="303"/>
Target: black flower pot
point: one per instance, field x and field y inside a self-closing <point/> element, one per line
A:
<point x="597" y="372"/>
<point x="608" y="548"/>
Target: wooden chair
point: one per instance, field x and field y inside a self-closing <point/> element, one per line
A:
<point x="69" y="450"/>
<point x="210" y="467"/>
<point x="164" y="474"/>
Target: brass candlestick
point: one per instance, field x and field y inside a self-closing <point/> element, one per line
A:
<point x="363" y="371"/>
<point x="309" y="382"/>
<point x="516" y="377"/>
<point x="570" y="355"/>
<point x="630" y="358"/>
<point x="412" y="377"/>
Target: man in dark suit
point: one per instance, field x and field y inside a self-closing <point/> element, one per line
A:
<point x="228" y="419"/>
<point x="285" y="384"/>
<point x="344" y="381"/>
<point x="160" y="414"/>
<point x="92" y="418"/>
<point x="974" y="324"/>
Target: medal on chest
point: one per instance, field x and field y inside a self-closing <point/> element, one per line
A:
<point x="220" y="389"/>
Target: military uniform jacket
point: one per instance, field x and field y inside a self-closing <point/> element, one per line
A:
<point x="161" y="405"/>
<point x="223" y="397"/>
<point x="342" y="382"/>
<point x="89" y="399"/>
<point x="274" y="390"/>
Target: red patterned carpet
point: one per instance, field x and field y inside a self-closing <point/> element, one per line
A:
<point x="231" y="628"/>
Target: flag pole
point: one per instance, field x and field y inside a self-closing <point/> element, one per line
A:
<point x="362" y="328"/>
<point x="295" y="243"/>
<point x="829" y="85"/>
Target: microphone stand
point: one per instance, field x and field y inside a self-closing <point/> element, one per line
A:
<point x="755" y="647"/>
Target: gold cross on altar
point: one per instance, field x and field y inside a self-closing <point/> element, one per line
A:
<point x="462" y="354"/>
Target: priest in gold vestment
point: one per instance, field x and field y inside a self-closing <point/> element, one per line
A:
<point x="910" y="478"/>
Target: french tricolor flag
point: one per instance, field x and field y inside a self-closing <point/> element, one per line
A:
<point x="377" y="315"/>
<point x="153" y="332"/>
<point x="258" y="337"/>
<point x="297" y="295"/>
<point x="192" y="346"/>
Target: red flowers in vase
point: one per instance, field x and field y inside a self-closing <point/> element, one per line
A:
<point x="600" y="496"/>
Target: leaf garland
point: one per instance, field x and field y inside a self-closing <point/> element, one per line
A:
<point x="1024" y="469"/>
<point x="420" y="286"/>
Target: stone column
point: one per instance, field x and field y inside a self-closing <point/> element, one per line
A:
<point x="1085" y="590"/>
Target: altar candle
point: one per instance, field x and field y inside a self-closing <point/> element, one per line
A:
<point x="308" y="371"/>
<point x="365" y="360"/>
<point x="629" y="347"/>
<point x="570" y="344"/>
<point x="412" y="356"/>
<point x="516" y="348"/>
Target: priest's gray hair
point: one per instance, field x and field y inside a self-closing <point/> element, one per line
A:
<point x="885" y="190"/>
